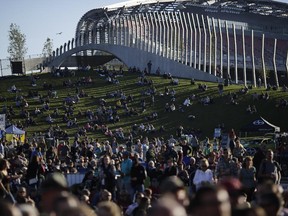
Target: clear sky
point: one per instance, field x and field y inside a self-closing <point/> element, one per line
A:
<point x="39" y="19"/>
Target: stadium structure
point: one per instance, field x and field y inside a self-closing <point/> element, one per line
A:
<point x="209" y="40"/>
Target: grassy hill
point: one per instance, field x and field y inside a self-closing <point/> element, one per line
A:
<point x="207" y="117"/>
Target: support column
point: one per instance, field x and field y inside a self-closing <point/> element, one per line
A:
<point x="210" y="45"/>
<point x="215" y="47"/>
<point x="221" y="48"/>
<point x="174" y="32"/>
<point x="104" y="34"/>
<point x="109" y="31"/>
<point x="144" y="31"/>
<point x="157" y="32"/>
<point x="244" y="57"/>
<point x="186" y="37"/>
<point x="170" y="36"/>
<point x="118" y="31"/>
<point x="228" y="49"/>
<point x="123" y="36"/>
<point x="199" y="44"/>
<point x="140" y="31"/>
<point x="124" y="27"/>
<point x="138" y="28"/>
<point x="253" y="59"/>
<point x="274" y="62"/>
<point x="132" y="31"/>
<point x="136" y="31"/>
<point x="160" y="34"/>
<point x="127" y="37"/>
<point x="195" y="40"/>
<point x="165" y="34"/>
<point x="178" y="33"/>
<point x="191" y="39"/>
<point x="235" y="54"/>
<point x="114" y="32"/>
<point x="263" y="61"/>
<point x="205" y="45"/>
<point x="182" y="40"/>
<point x="153" y="35"/>
<point x="149" y="32"/>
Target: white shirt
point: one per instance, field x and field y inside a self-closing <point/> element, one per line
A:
<point x="202" y="176"/>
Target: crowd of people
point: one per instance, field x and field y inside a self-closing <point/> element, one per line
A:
<point x="145" y="176"/>
<point x="177" y="176"/>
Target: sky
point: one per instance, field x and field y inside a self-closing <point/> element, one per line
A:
<point x="39" y="19"/>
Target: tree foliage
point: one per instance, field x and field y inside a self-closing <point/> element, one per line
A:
<point x="17" y="43"/>
<point x="48" y="47"/>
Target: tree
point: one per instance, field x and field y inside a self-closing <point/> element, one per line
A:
<point x="17" y="43"/>
<point x="48" y="47"/>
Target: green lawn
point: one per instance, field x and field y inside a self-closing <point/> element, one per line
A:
<point x="206" y="117"/>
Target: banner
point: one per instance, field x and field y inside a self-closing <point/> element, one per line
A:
<point x="2" y="122"/>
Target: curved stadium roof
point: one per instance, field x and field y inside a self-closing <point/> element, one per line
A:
<point x="232" y="10"/>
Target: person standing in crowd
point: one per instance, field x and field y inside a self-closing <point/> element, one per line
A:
<point x="186" y="149"/>
<point x="226" y="167"/>
<point x="143" y="207"/>
<point x="247" y="176"/>
<point x="155" y="174"/>
<point x="149" y="66"/>
<point x="258" y="157"/>
<point x="35" y="171"/>
<point x="132" y="206"/>
<point x="174" y="198"/>
<point x="54" y="186"/>
<point x="107" y="175"/>
<point x="269" y="169"/>
<point x="151" y="153"/>
<point x="232" y="137"/>
<point x="239" y="150"/>
<point x="126" y="166"/>
<point x="195" y="144"/>
<point x="22" y="197"/>
<point x="171" y="169"/>
<point x="5" y="180"/>
<point x="107" y="209"/>
<point x="203" y="175"/>
<point x="269" y="196"/>
<point x="170" y="153"/>
<point x="211" y="200"/>
<point x="138" y="175"/>
<point x="183" y="174"/>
